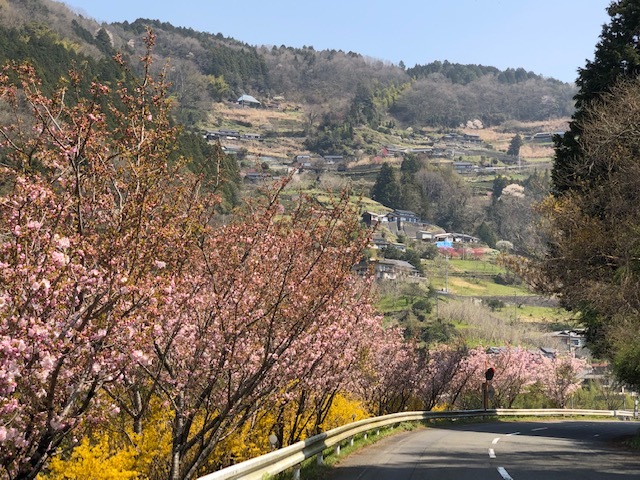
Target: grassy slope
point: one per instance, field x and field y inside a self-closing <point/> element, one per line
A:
<point x="524" y="318"/>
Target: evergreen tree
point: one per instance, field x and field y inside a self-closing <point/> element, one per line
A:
<point x="410" y="166"/>
<point x="363" y="109"/>
<point x="411" y="195"/>
<point x="514" y="146"/>
<point x="499" y="183"/>
<point x="219" y="171"/>
<point x="617" y="56"/>
<point x="487" y="235"/>
<point x="592" y="251"/>
<point x="386" y="189"/>
<point x="103" y="42"/>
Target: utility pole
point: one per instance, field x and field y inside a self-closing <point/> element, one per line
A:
<point x="446" y="274"/>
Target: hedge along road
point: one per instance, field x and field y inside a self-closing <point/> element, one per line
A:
<point x="549" y="450"/>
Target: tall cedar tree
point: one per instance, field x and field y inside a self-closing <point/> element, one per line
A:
<point x="617" y="55"/>
<point x="514" y="146"/>
<point x="591" y="260"/>
<point x="386" y="189"/>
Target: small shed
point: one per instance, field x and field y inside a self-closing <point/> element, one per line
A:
<point x="248" y="100"/>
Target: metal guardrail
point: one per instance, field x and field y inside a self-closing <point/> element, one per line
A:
<point x="293" y="455"/>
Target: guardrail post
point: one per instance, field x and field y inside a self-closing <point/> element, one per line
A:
<point x="351" y="442"/>
<point x="320" y="458"/>
<point x="365" y="435"/>
<point x="338" y="450"/>
<point x="296" y="472"/>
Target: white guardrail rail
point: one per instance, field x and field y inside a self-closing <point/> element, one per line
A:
<point x="293" y="455"/>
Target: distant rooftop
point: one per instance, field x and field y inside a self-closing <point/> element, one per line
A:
<point x="248" y="99"/>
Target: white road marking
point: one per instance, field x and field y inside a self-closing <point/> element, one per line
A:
<point x="597" y="435"/>
<point x="492" y="454"/>
<point x="514" y="433"/>
<point x="504" y="473"/>
<point x="495" y="440"/>
<point x="538" y="429"/>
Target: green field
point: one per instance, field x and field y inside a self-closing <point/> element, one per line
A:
<point x="470" y="277"/>
<point x="480" y="287"/>
<point x="474" y="279"/>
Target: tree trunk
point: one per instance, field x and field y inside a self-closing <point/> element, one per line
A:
<point x="178" y="440"/>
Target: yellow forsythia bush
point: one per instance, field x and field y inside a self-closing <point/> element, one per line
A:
<point x="124" y="455"/>
<point x="95" y="459"/>
<point x="344" y="410"/>
<point x="118" y="455"/>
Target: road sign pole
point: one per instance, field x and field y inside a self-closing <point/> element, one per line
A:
<point x="488" y="376"/>
<point x="485" y="395"/>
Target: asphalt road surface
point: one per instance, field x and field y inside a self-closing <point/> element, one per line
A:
<point x="541" y="450"/>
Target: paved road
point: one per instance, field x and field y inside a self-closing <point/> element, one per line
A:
<point x="550" y="450"/>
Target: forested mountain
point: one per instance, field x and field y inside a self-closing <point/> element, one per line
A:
<point x="55" y="41"/>
<point x="205" y="68"/>
<point x="436" y="99"/>
<point x="437" y="94"/>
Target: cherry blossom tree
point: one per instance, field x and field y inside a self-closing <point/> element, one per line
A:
<point x="464" y="390"/>
<point x="269" y="300"/>
<point x="305" y="403"/>
<point x="516" y="370"/>
<point x="91" y="222"/>
<point x="388" y="373"/>
<point x="118" y="292"/>
<point x="560" y="377"/>
<point x="441" y="374"/>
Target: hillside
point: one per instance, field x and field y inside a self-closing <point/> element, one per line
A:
<point x="329" y="86"/>
<point x="342" y="114"/>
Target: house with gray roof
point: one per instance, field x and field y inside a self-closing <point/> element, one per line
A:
<point x="248" y="100"/>
<point x="388" y="269"/>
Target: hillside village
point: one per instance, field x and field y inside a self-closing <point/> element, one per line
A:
<point x="280" y="241"/>
<point x="276" y="136"/>
<point x="272" y="121"/>
<point x="268" y="141"/>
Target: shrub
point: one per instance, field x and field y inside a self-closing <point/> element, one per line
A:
<point x="494" y="304"/>
<point x="422" y="306"/>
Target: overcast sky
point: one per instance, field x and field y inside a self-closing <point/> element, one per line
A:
<point x="549" y="37"/>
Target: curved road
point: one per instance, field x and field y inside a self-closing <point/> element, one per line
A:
<point x="549" y="450"/>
